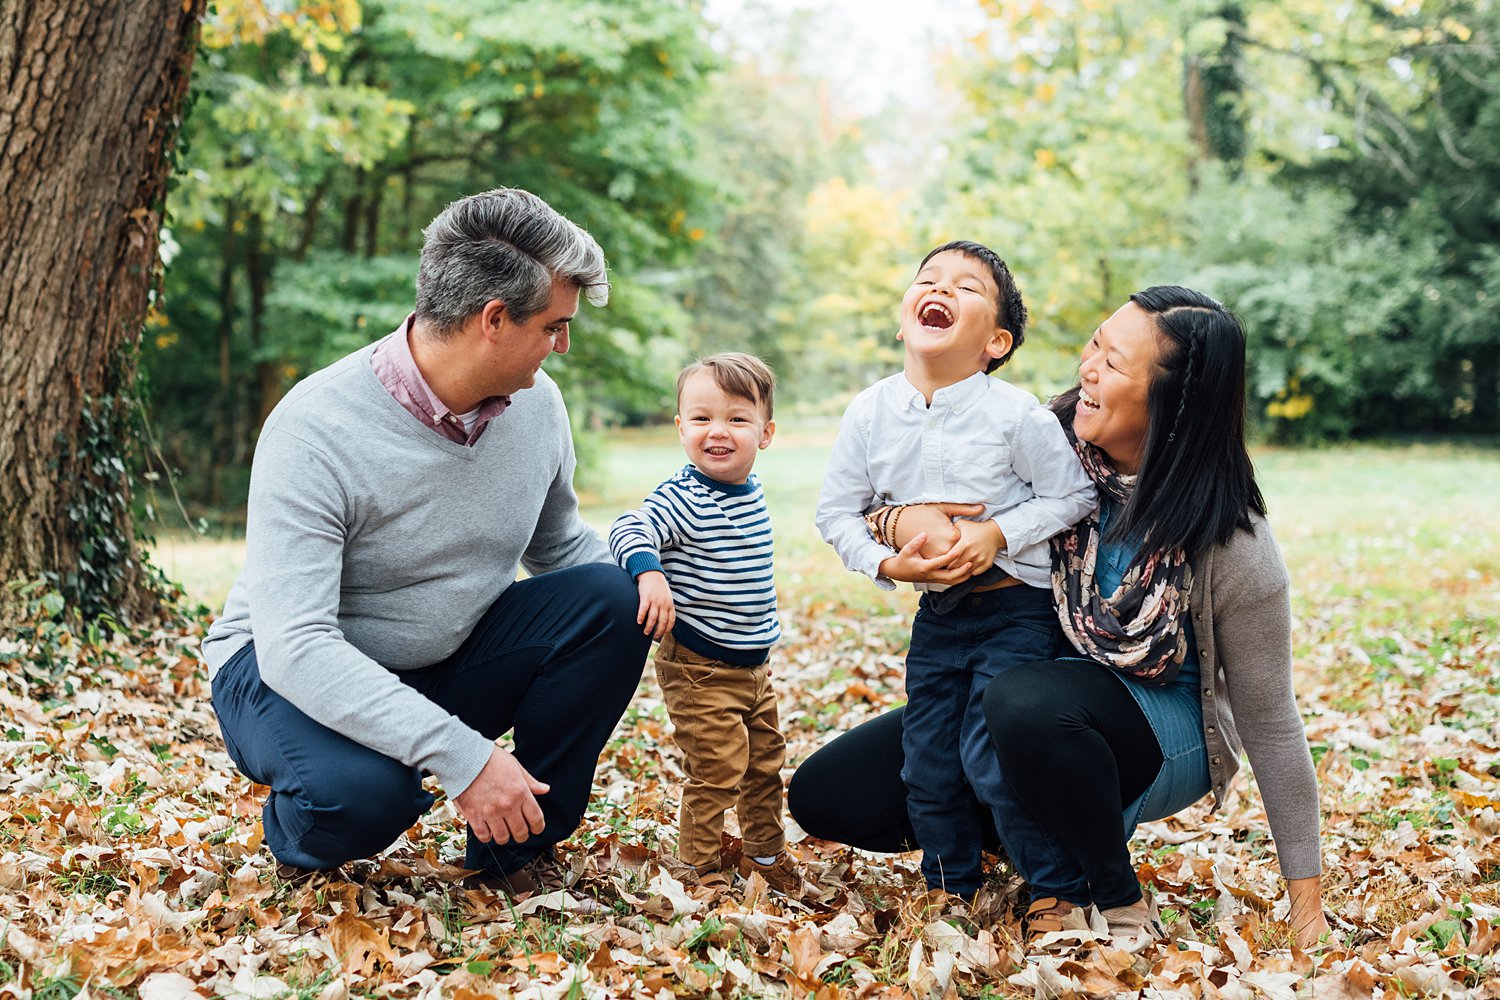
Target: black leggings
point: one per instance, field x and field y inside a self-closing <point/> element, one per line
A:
<point x="1071" y="740"/>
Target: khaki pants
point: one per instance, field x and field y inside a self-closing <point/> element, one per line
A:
<point x="726" y="724"/>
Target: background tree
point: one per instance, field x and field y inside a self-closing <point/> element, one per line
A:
<point x="87" y="121"/>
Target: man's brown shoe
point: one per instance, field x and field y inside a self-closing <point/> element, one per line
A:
<point x="541" y="875"/>
<point x="784" y="875"/>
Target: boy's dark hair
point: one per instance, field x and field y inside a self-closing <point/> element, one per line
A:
<point x="1011" y="314"/>
<point x="743" y="376"/>
<point x="1196" y="483"/>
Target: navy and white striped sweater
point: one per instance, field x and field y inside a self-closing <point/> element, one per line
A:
<point x="713" y="542"/>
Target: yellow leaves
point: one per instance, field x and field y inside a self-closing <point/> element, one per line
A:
<point x="1456" y="29"/>
<point x="318" y="26"/>
<point x="1290" y="406"/>
<point x="696" y="233"/>
<point x="1046" y="159"/>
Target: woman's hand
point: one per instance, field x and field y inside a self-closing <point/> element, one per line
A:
<point x="1308" y="921"/>
<point x="978" y="543"/>
<point x="909" y="566"/>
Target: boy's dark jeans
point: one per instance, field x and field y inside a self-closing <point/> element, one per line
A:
<point x="556" y="658"/>
<point x="946" y="743"/>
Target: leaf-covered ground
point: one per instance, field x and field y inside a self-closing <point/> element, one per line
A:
<point x="131" y="863"/>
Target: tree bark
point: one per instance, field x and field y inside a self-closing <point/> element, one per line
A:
<point x="91" y="94"/>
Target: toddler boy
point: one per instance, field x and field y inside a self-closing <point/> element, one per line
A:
<point x="700" y="550"/>
<point x="944" y="431"/>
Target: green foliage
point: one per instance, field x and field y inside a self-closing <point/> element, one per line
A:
<point x="1326" y="170"/>
<point x="42" y="633"/>
<point x="332" y="303"/>
<point x="1074" y="162"/>
<point x="1372" y="314"/>
<point x="323" y="144"/>
<point x="110" y="563"/>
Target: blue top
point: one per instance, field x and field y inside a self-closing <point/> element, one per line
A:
<point x="713" y="542"/>
<point x="1109" y="569"/>
<point x="1173" y="709"/>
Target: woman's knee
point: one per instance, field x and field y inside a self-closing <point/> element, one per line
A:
<point x="808" y="800"/>
<point x="1026" y="704"/>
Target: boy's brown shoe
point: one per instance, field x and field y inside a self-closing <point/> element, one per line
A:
<point x="709" y="876"/>
<point x="1050" y="914"/>
<point x="784" y="875"/>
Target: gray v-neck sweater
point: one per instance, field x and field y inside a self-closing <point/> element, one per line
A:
<point x="374" y="545"/>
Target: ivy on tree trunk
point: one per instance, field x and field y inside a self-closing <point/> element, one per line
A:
<point x="88" y="115"/>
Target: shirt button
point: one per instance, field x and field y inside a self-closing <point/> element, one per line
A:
<point x="1208" y="692"/>
<point x="1210" y="730"/>
<point x="1203" y="651"/>
<point x="1216" y="760"/>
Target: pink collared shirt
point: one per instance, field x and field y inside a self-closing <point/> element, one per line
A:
<point x="398" y="372"/>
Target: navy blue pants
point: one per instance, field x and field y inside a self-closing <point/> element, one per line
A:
<point x="950" y="769"/>
<point x="556" y="659"/>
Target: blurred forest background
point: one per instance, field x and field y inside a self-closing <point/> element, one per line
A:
<point x="1330" y="170"/>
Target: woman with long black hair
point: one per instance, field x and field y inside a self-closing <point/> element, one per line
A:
<point x="1174" y="596"/>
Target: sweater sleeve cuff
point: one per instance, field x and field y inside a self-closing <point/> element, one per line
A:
<point x="460" y="760"/>
<point x="642" y="562"/>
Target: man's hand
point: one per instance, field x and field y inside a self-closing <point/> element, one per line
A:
<point x="500" y="805"/>
<point x="656" y="611"/>
<point x="978" y="542"/>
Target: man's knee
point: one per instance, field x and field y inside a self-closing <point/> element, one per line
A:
<point x="616" y="592"/>
<point x="361" y="808"/>
<point x="609" y="594"/>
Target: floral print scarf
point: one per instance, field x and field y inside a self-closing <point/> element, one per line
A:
<point x="1140" y="628"/>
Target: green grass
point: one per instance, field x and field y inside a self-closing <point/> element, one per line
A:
<point x="1398" y="533"/>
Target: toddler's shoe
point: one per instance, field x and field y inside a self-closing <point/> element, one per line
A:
<point x="707" y="876"/>
<point x="784" y="875"/>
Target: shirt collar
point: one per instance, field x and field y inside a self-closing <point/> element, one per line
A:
<point x="397" y="366"/>
<point x="956" y="397"/>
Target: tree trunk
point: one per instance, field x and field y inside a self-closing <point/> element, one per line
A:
<point x="90" y="104"/>
<point x="267" y="373"/>
<point x="223" y="429"/>
<point x="354" y="211"/>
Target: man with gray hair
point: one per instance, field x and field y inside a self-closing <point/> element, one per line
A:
<point x="378" y="631"/>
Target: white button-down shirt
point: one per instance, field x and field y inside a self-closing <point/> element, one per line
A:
<point x="981" y="441"/>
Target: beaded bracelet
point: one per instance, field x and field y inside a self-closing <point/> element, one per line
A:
<point x="895" y="519"/>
